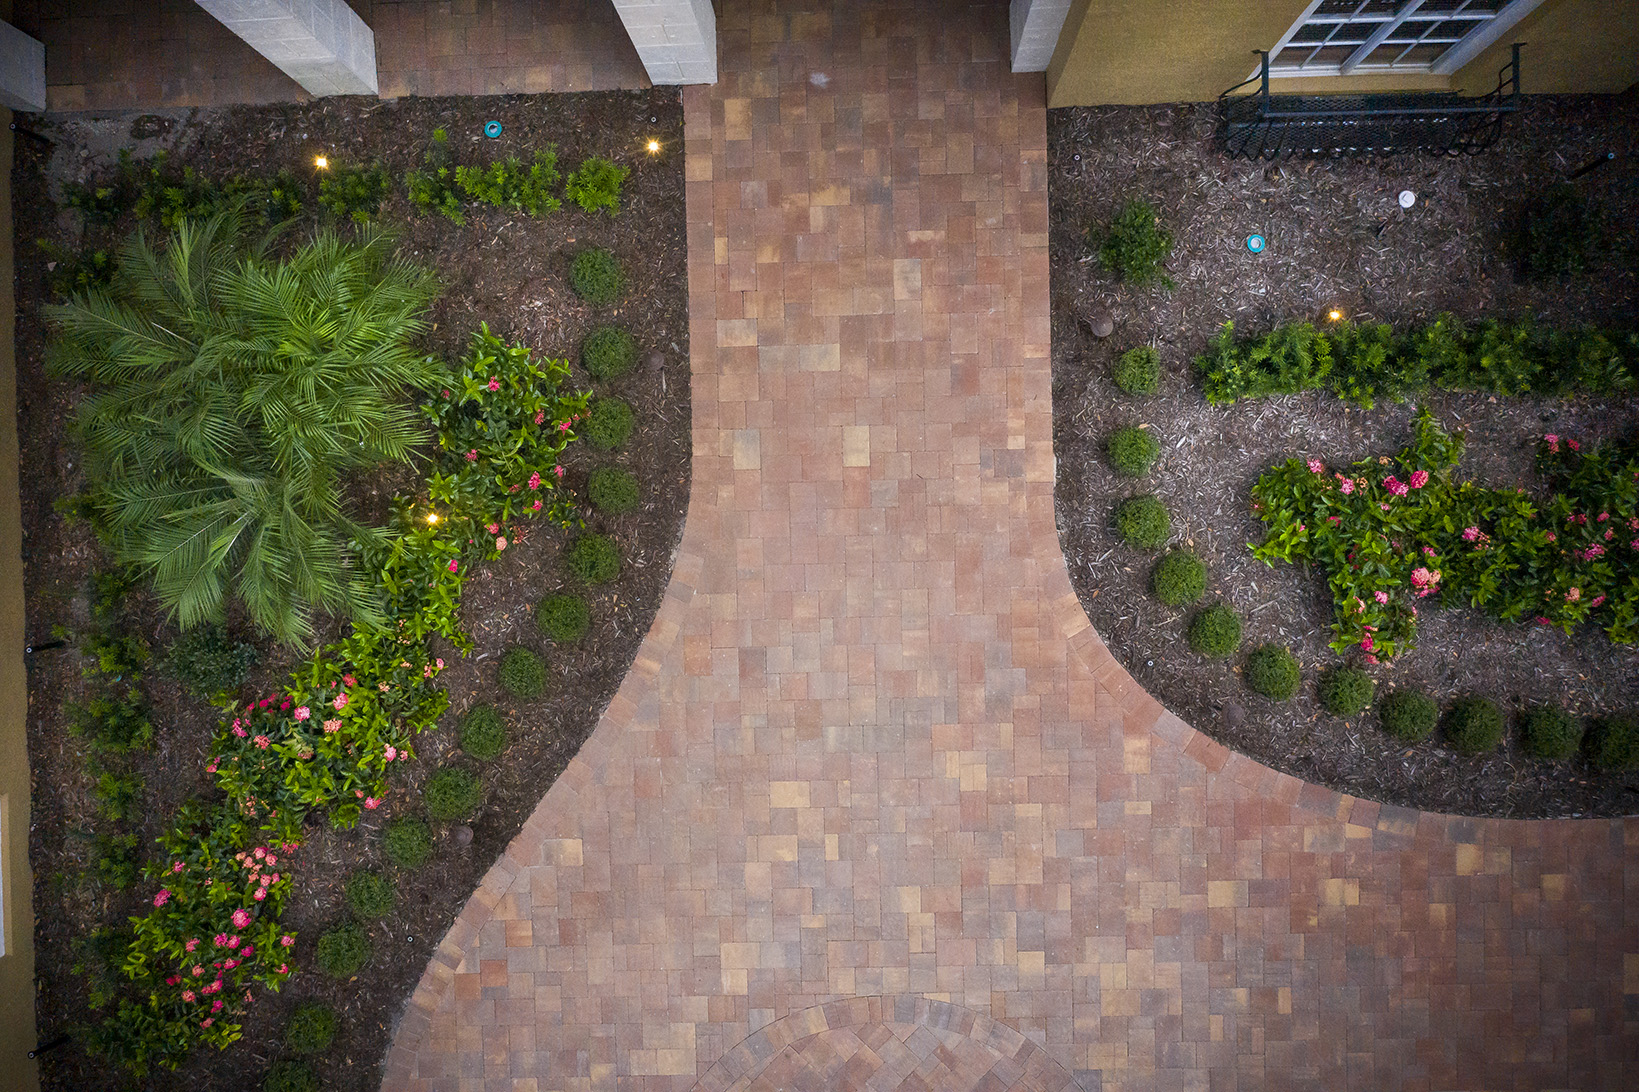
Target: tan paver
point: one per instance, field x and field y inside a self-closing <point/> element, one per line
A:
<point x="873" y="751"/>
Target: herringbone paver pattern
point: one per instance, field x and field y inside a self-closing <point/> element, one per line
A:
<point x="872" y="749"/>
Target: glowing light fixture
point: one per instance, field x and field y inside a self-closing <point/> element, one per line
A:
<point x="321" y="162"/>
<point x="432" y="517"/>
<point x="1334" y="314"/>
<point x="654" y="146"/>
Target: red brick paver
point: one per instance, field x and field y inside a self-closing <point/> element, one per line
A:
<point x="873" y="749"/>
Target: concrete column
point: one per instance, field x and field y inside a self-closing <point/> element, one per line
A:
<point x="22" y="70"/>
<point x="676" y="39"/>
<point x="1035" y="26"/>
<point x="321" y="44"/>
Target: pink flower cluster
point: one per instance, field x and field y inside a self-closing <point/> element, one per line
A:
<point x="1395" y="486"/>
<point x="1427" y="581"/>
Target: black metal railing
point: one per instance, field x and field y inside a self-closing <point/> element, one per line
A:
<point x="1259" y="125"/>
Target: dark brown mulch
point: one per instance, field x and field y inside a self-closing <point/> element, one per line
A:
<point x="505" y="269"/>
<point x="1321" y="219"/>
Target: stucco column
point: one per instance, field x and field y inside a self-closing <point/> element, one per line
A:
<point x="1035" y="26"/>
<point x="676" y="39"/>
<point x="22" y="70"/>
<point x="321" y="44"/>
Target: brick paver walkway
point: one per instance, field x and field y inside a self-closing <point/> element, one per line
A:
<point x="873" y="752"/>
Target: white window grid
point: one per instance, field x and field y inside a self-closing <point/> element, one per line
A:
<point x="1349" y="37"/>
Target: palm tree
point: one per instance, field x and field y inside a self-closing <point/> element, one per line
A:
<point x="229" y="389"/>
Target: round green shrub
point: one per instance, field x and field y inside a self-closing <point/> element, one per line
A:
<point x="408" y="843"/>
<point x="1272" y="671"/>
<point x="1138" y="371"/>
<point x="1179" y="579"/>
<point x="1408" y="715"/>
<point x="1216" y="631"/>
<point x="343" y="951"/>
<point x="522" y="673"/>
<point x="483" y="732"/>
<point x="609" y="423"/>
<point x="312" y="1028"/>
<point x="1613" y="744"/>
<point x="369" y="894"/>
<point x="1345" y="691"/>
<point x="1133" y="451"/>
<point x="594" y="559"/>
<point x="1473" y="725"/>
<point x="1548" y="731"/>
<point x="1143" y="522"/>
<point x="564" y="618"/>
<point x="452" y="793"/>
<point x="290" y="1076"/>
<point x="612" y="490"/>
<point x="596" y="276"/>
<point x="206" y="661"/>
<point x="608" y="352"/>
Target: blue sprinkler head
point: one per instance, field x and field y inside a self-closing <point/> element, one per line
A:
<point x="1255" y="243"/>
<point x="492" y="129"/>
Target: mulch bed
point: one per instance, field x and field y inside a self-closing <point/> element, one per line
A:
<point x="1322" y="220"/>
<point x="508" y="270"/>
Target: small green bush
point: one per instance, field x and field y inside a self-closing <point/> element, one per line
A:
<point x="608" y="352"/>
<point x="408" y="843"/>
<point x="609" y="423"/>
<point x="354" y="193"/>
<point x="612" y="490"/>
<point x="432" y="189"/>
<point x="1613" y="744"/>
<point x="1179" y="579"/>
<point x="1143" y="522"/>
<point x="507" y="183"/>
<point x="206" y="661"/>
<point x="564" y="618"/>
<point x="1408" y="715"/>
<point x="118" y="794"/>
<point x="290" y="1076"/>
<point x="522" y="673"/>
<point x="483" y="732"/>
<point x="1345" y="691"/>
<point x="369" y="894"/>
<point x="1133" y="451"/>
<point x="1136" y="244"/>
<point x="452" y="793"/>
<point x="595" y="184"/>
<point x="596" y="276"/>
<point x="1473" y="725"/>
<point x="1272" y="671"/>
<point x="1558" y="233"/>
<point x="1548" y="731"/>
<point x="312" y="1028"/>
<point x="343" y="951"/>
<point x="115" y="860"/>
<point x="115" y="722"/>
<point x="1216" y="631"/>
<point x="1138" y="371"/>
<point x="594" y="559"/>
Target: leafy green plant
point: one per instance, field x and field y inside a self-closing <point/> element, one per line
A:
<point x="1138" y="371"/>
<point x="431" y="189"/>
<point x="1612" y="744"/>
<point x="369" y="894"/>
<point x="522" y="673"/>
<point x="609" y="424"/>
<point x="353" y="192"/>
<point x="116" y="721"/>
<point x="119" y="794"/>
<point x="1548" y="731"/>
<point x="1133" y="451"/>
<point x="1473" y="725"/>
<point x="115" y="860"/>
<point x="206" y="661"/>
<point x="612" y="490"/>
<point x="1143" y="522"/>
<point x="69" y="272"/>
<point x="608" y="352"/>
<point x="408" y="843"/>
<point x="564" y="618"/>
<point x="452" y="793"/>
<point x="595" y="185"/>
<point x="483" y="732"/>
<point x="290" y="1076"/>
<point x="507" y="183"/>
<point x="1557" y="233"/>
<point x="1272" y="670"/>
<point x="312" y="1027"/>
<point x="1345" y="691"/>
<point x="230" y="391"/>
<point x="1179" y="579"/>
<point x="597" y="277"/>
<point x="1408" y="714"/>
<point x="343" y="950"/>
<point x="1216" y="631"/>
<point x="594" y="559"/>
<point x="98" y="204"/>
<point x="1135" y="245"/>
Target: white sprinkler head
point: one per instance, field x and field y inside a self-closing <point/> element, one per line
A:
<point x="1407" y="199"/>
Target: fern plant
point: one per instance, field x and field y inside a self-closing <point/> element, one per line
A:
<point x="229" y="391"/>
<point x="595" y="184"/>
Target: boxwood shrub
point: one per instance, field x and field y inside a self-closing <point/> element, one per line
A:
<point x="522" y="673"/>
<point x="369" y="894"/>
<point x="1473" y="725"/>
<point x="564" y="618"/>
<point x="1143" y="522"/>
<point x="597" y="277"/>
<point x="1272" y="670"/>
<point x="452" y="793"/>
<point x="1133" y="451"/>
<point x="1548" y="731"/>
<point x="609" y="423"/>
<point x="1138" y="371"/>
<point x="608" y="352"/>
<point x="290" y="1076"/>
<point x="343" y="951"/>
<point x="1613" y="744"/>
<point x="1408" y="714"/>
<point x="408" y="843"/>
<point x="1179" y="579"/>
<point x="594" y="559"/>
<point x="483" y="732"/>
<point x="1345" y="691"/>
<point x="612" y="490"/>
<point x="311" y="1029"/>
<point x="1216" y="631"/>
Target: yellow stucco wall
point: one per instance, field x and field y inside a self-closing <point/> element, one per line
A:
<point x="1147" y="51"/>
